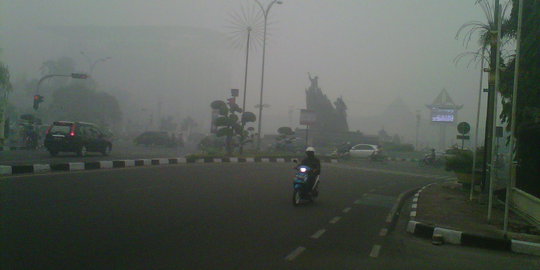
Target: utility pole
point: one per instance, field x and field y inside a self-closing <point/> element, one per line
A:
<point x="513" y="120"/>
<point x="491" y="96"/>
<point x="417" y="129"/>
<point x="261" y="105"/>
<point x="245" y="91"/>
<point x="477" y="123"/>
<point x="494" y="110"/>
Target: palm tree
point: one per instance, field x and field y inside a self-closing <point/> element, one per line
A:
<point x="487" y="51"/>
<point x="487" y="32"/>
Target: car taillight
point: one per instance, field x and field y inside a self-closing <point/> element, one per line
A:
<point x="48" y="130"/>
<point x="72" y="133"/>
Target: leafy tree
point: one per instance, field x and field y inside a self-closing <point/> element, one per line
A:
<point x="230" y="125"/>
<point x="5" y="88"/>
<point x="528" y="102"/>
<point x="528" y="96"/>
<point x="167" y="124"/>
<point x="285" y="140"/>
<point x="62" y="66"/>
<point x="76" y="102"/>
<point x="5" y="84"/>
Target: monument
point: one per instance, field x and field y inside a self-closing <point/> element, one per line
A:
<point x="331" y="117"/>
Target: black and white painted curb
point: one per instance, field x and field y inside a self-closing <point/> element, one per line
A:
<point x="110" y="164"/>
<point x="403" y="159"/>
<point x="12" y="148"/>
<point x="466" y="239"/>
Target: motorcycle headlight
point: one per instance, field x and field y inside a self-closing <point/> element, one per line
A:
<point x="303" y="170"/>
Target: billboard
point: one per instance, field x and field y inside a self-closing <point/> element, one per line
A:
<point x="443" y="115"/>
<point x="307" y="117"/>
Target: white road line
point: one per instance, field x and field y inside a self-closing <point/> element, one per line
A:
<point x="357" y="201"/>
<point x="383" y="232"/>
<point x="413" y="213"/>
<point x="415" y="200"/>
<point x="295" y="253"/>
<point x="335" y="220"/>
<point x="375" y="251"/>
<point x="414" y="206"/>
<point x="389" y="218"/>
<point x="318" y="234"/>
<point x="346" y="210"/>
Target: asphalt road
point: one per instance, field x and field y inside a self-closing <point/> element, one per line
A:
<point x="208" y="216"/>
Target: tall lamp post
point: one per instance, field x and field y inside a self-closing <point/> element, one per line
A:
<point x="265" y="12"/>
<point x="92" y="64"/>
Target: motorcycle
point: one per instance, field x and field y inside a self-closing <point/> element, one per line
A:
<point x="431" y="161"/>
<point x="301" y="192"/>
<point x="377" y="156"/>
<point x="342" y="152"/>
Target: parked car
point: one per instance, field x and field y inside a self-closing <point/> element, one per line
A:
<point x="158" y="138"/>
<point x="78" y="137"/>
<point x="363" y="150"/>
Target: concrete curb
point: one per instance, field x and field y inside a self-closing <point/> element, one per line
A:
<point x="464" y="238"/>
<point x="12" y="148"/>
<point x="113" y="164"/>
<point x="393" y="216"/>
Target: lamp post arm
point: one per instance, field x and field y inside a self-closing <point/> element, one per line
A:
<point x="262" y="8"/>
<point x="47" y="77"/>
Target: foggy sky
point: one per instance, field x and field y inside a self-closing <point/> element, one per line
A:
<point x="369" y="51"/>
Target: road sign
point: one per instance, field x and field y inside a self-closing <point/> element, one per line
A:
<point x="464" y="127"/>
<point x="463" y="137"/>
<point x="307" y="117"/>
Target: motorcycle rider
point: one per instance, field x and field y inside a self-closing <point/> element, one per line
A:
<point x="314" y="163"/>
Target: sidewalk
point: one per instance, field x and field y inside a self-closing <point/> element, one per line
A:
<point x="447" y="205"/>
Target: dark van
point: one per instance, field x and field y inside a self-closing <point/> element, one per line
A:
<point x="77" y="137"/>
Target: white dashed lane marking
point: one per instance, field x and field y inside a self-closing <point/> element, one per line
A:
<point x="335" y="220"/>
<point x="383" y="232"/>
<point x="295" y="253"/>
<point x="375" y="251"/>
<point x="346" y="210"/>
<point x="318" y="234"/>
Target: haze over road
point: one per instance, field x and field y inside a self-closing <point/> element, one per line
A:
<point x="203" y="216"/>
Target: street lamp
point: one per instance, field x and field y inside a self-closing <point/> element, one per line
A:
<point x="265" y="14"/>
<point x="92" y="64"/>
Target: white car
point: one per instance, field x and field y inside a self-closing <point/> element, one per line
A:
<point x="363" y="150"/>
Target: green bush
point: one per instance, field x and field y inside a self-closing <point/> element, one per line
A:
<point x="461" y="161"/>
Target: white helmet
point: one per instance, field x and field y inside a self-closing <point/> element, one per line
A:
<point x="310" y="149"/>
